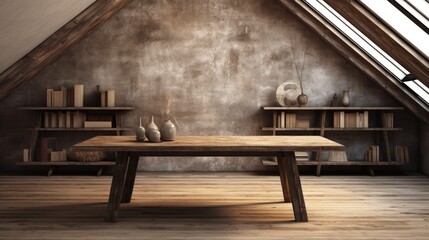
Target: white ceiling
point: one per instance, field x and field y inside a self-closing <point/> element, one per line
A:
<point x="24" y="24"/>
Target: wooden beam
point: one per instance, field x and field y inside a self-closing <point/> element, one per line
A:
<point x="50" y="49"/>
<point x="357" y="57"/>
<point x="384" y="37"/>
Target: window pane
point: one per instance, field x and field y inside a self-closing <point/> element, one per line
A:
<point x="400" y="23"/>
<point x="416" y="88"/>
<point x="412" y="10"/>
<point x="358" y="38"/>
<point x="422" y="6"/>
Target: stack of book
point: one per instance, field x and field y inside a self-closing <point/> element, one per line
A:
<point x="98" y="121"/>
<point x="65" y="97"/>
<point x="388" y="120"/>
<point x="373" y="154"/>
<point x="351" y="119"/>
<point x="59" y="156"/>
<point x="301" y="156"/>
<point x="402" y="154"/>
<point x="68" y="119"/>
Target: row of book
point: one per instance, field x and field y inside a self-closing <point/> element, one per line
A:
<point x="351" y="119"/>
<point x="373" y="154"/>
<point x="402" y="154"/>
<point x="289" y="120"/>
<point x="65" y="97"/>
<point x="107" y="98"/>
<point x="75" y="119"/>
<point x="388" y="120"/>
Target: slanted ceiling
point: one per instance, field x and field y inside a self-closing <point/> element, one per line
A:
<point x="21" y="38"/>
<point x="24" y="24"/>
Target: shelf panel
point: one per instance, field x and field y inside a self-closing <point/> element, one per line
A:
<point x="77" y="108"/>
<point x="345" y="163"/>
<point x="81" y="129"/>
<point x="67" y="163"/>
<point x="333" y="108"/>
<point x="331" y="129"/>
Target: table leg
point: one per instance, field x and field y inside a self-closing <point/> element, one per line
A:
<point x="295" y="190"/>
<point x="283" y="180"/>
<point x="130" y="179"/>
<point x="120" y="171"/>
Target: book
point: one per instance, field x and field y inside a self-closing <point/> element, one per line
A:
<point x="282" y="119"/>
<point x="49" y="97"/>
<point x="302" y="123"/>
<point x="78" y="119"/>
<point x="26" y="155"/>
<point x="110" y="100"/>
<point x="365" y="119"/>
<point x="54" y="120"/>
<point x="64" y="96"/>
<point x="70" y="97"/>
<point x="97" y="124"/>
<point x="78" y="95"/>
<point x="103" y="99"/>
<point x="342" y="124"/>
<point x="46" y="119"/>
<point x="61" y="120"/>
<point x="58" y="156"/>
<point x="350" y="120"/>
<point x="68" y="119"/>
<point x="57" y="98"/>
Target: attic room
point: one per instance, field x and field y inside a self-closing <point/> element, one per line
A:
<point x="215" y="119"/>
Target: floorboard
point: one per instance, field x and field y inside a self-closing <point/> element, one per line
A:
<point x="214" y="206"/>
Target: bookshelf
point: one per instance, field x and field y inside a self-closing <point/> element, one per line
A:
<point x="40" y="129"/>
<point x="327" y="119"/>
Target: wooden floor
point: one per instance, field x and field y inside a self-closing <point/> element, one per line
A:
<point x="214" y="206"/>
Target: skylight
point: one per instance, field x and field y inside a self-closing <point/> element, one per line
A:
<point x="420" y="89"/>
<point x="400" y="23"/>
<point x="358" y="38"/>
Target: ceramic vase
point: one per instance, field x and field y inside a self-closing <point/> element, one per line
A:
<point x="152" y="131"/>
<point x="168" y="131"/>
<point x="140" y="132"/>
<point x="302" y="100"/>
<point x="346" y="99"/>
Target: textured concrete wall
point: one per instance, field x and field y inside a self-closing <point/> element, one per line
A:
<point x="218" y="60"/>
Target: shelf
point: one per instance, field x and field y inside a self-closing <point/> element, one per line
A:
<point x="81" y="129"/>
<point x="330" y="129"/>
<point x="67" y="163"/>
<point x="78" y="108"/>
<point x="345" y="163"/>
<point x="333" y="108"/>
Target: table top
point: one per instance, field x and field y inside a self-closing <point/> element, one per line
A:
<point x="203" y="144"/>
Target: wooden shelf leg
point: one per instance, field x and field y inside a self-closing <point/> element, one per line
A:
<point x="50" y="170"/>
<point x="117" y="187"/>
<point x="371" y="171"/>
<point x="318" y="170"/>
<point x="100" y="171"/>
<point x="295" y="189"/>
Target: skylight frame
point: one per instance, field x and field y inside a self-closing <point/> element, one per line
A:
<point x="413" y="12"/>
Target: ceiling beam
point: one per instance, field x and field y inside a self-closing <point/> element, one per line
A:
<point x="416" y="63"/>
<point x="357" y="57"/>
<point x="50" y="49"/>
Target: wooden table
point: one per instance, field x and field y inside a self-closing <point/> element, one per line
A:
<point x="282" y="147"/>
